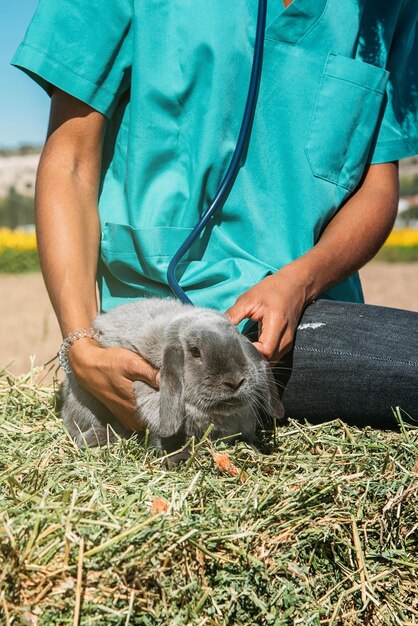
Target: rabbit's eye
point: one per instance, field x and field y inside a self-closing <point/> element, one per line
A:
<point x="195" y="352"/>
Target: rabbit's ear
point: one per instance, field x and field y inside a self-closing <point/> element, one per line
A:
<point x="172" y="404"/>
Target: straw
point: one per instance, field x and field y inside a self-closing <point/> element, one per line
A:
<point x="321" y="531"/>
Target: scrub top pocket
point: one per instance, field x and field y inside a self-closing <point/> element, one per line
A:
<point x="346" y="115"/>
<point x="136" y="260"/>
<point x="137" y="254"/>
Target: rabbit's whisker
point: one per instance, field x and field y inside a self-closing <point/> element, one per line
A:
<point x="258" y="409"/>
<point x="262" y="402"/>
<point x="270" y="384"/>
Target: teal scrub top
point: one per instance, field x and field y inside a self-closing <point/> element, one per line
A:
<point x="339" y="90"/>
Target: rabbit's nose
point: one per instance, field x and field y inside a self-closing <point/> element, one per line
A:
<point x="234" y="384"/>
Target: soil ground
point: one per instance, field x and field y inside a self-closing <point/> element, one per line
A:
<point x="29" y="333"/>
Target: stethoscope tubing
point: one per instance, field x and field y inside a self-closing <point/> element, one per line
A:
<point x="236" y="160"/>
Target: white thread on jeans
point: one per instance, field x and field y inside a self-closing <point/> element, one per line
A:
<point x="311" y="325"/>
<point x="353" y="354"/>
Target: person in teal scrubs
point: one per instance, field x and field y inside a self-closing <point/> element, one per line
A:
<point x="147" y="101"/>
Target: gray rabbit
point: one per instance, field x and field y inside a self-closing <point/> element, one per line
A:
<point x="210" y="374"/>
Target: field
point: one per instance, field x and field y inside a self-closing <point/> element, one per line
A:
<point x="322" y="530"/>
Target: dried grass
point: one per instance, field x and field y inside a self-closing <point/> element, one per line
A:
<point x="323" y="530"/>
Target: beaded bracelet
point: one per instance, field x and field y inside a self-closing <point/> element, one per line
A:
<point x="92" y="333"/>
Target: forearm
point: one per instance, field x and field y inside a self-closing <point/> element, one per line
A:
<point x="353" y="236"/>
<point x="68" y="231"/>
<point x="67" y="221"/>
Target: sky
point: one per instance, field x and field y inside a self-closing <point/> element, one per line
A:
<point x="24" y="106"/>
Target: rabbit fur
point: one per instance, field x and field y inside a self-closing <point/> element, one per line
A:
<point x="210" y="374"/>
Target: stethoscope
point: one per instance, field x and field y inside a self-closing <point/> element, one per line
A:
<point x="236" y="160"/>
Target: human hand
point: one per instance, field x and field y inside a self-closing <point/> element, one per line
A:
<point x="277" y="303"/>
<point x="108" y="374"/>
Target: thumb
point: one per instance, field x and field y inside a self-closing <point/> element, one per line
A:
<point x="140" y="369"/>
<point x="237" y="312"/>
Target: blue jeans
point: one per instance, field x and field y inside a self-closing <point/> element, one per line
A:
<point x="351" y="361"/>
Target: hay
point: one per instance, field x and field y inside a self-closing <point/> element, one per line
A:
<point x="322" y="531"/>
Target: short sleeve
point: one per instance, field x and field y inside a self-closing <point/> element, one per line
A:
<point x="83" y="47"/>
<point x="397" y="137"/>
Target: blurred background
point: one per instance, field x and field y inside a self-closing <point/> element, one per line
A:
<point x="29" y="333"/>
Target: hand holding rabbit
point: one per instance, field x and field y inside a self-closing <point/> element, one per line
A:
<point x="108" y="375"/>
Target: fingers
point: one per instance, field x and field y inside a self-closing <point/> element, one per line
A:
<point x="108" y="374"/>
<point x="272" y="329"/>
<point x="239" y="311"/>
<point x="276" y="337"/>
<point x="124" y="410"/>
<point x="117" y="394"/>
<point x="137" y="368"/>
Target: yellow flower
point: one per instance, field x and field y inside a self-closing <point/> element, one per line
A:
<point x="16" y="240"/>
<point x="404" y="237"/>
<point x="22" y="240"/>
